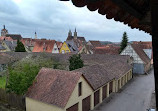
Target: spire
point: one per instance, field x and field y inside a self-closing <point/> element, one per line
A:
<point x="4" y="26"/>
<point x="70" y="33"/>
<point x="35" y="35"/>
<point x="75" y="34"/>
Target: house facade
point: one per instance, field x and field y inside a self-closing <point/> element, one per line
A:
<point x="64" y="48"/>
<point x="141" y="61"/>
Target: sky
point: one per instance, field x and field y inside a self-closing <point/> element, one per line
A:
<point x="52" y="19"/>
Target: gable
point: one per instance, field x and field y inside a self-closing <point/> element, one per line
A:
<point x="55" y="49"/>
<point x="64" y="47"/>
<point x="131" y="52"/>
<point x="86" y="91"/>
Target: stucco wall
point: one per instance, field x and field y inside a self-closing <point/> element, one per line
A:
<point x="131" y="52"/>
<point x="55" y="49"/>
<point x="33" y="105"/>
<point x="86" y="91"/>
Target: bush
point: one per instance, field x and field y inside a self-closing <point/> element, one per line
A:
<point x="23" y="73"/>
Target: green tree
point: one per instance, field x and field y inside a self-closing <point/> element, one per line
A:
<point x="23" y="73"/>
<point x="20" y="47"/>
<point x="124" y="42"/>
<point x="75" y="62"/>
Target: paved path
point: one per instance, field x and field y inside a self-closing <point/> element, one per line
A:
<point x="135" y="96"/>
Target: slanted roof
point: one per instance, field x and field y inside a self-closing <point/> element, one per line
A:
<point x="72" y="46"/>
<point x="95" y="43"/>
<point x="96" y="75"/>
<point x="44" y="46"/>
<point x="53" y="86"/>
<point x="6" y="38"/>
<point x="5" y="58"/>
<point x="11" y="44"/>
<point x="14" y="36"/>
<point x="107" y="50"/>
<point x="2" y="48"/>
<point x="139" y="50"/>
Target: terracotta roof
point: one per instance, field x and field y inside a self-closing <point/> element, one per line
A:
<point x="96" y="75"/>
<point x="96" y="43"/>
<point x="59" y="44"/>
<point x="139" y="50"/>
<point x="53" y="86"/>
<point x="146" y="45"/>
<point x="6" y="38"/>
<point x="135" y="13"/>
<point x="44" y="46"/>
<point x="107" y="50"/>
<point x="99" y="74"/>
<point x="14" y="36"/>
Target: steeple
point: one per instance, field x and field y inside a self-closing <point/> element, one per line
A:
<point x="4" y="31"/>
<point x="70" y="33"/>
<point x="75" y="34"/>
<point x="35" y="35"/>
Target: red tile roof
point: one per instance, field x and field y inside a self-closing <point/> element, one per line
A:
<point x="53" y="86"/>
<point x="107" y="50"/>
<point x="59" y="44"/>
<point x="44" y="46"/>
<point x="6" y="38"/>
<point x="96" y="43"/>
<point x="139" y="50"/>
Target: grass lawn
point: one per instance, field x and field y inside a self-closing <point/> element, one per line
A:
<point x="2" y="82"/>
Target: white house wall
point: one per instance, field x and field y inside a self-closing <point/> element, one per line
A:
<point x="55" y="49"/>
<point x="130" y="51"/>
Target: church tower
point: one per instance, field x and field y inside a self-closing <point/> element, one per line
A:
<point x="70" y="33"/>
<point x="4" y="32"/>
<point x="75" y="34"/>
<point x="35" y="35"/>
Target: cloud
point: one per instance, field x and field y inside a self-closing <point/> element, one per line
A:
<point x="52" y="19"/>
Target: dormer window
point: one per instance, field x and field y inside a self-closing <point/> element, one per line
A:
<point x="80" y="89"/>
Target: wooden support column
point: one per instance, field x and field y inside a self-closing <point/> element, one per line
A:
<point x="154" y="20"/>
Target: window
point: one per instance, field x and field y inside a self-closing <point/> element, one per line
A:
<point x="80" y="89"/>
<point x="67" y="51"/>
<point x="63" y="52"/>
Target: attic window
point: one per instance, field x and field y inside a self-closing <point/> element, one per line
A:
<point x="69" y="45"/>
<point x="80" y="89"/>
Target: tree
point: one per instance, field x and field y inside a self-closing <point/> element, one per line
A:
<point x="20" y="47"/>
<point x="124" y="42"/>
<point x="23" y="73"/>
<point x="75" y="62"/>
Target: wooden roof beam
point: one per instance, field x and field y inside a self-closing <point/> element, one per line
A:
<point x="128" y="8"/>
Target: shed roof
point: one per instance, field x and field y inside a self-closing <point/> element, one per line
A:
<point x="54" y="86"/>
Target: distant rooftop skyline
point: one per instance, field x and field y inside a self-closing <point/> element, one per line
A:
<point x="52" y="19"/>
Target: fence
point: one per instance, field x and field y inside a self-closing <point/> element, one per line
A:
<point x="12" y="99"/>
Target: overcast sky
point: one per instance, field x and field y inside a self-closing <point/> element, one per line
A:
<point x="52" y="19"/>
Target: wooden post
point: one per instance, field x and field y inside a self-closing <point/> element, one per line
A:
<point x="154" y="20"/>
